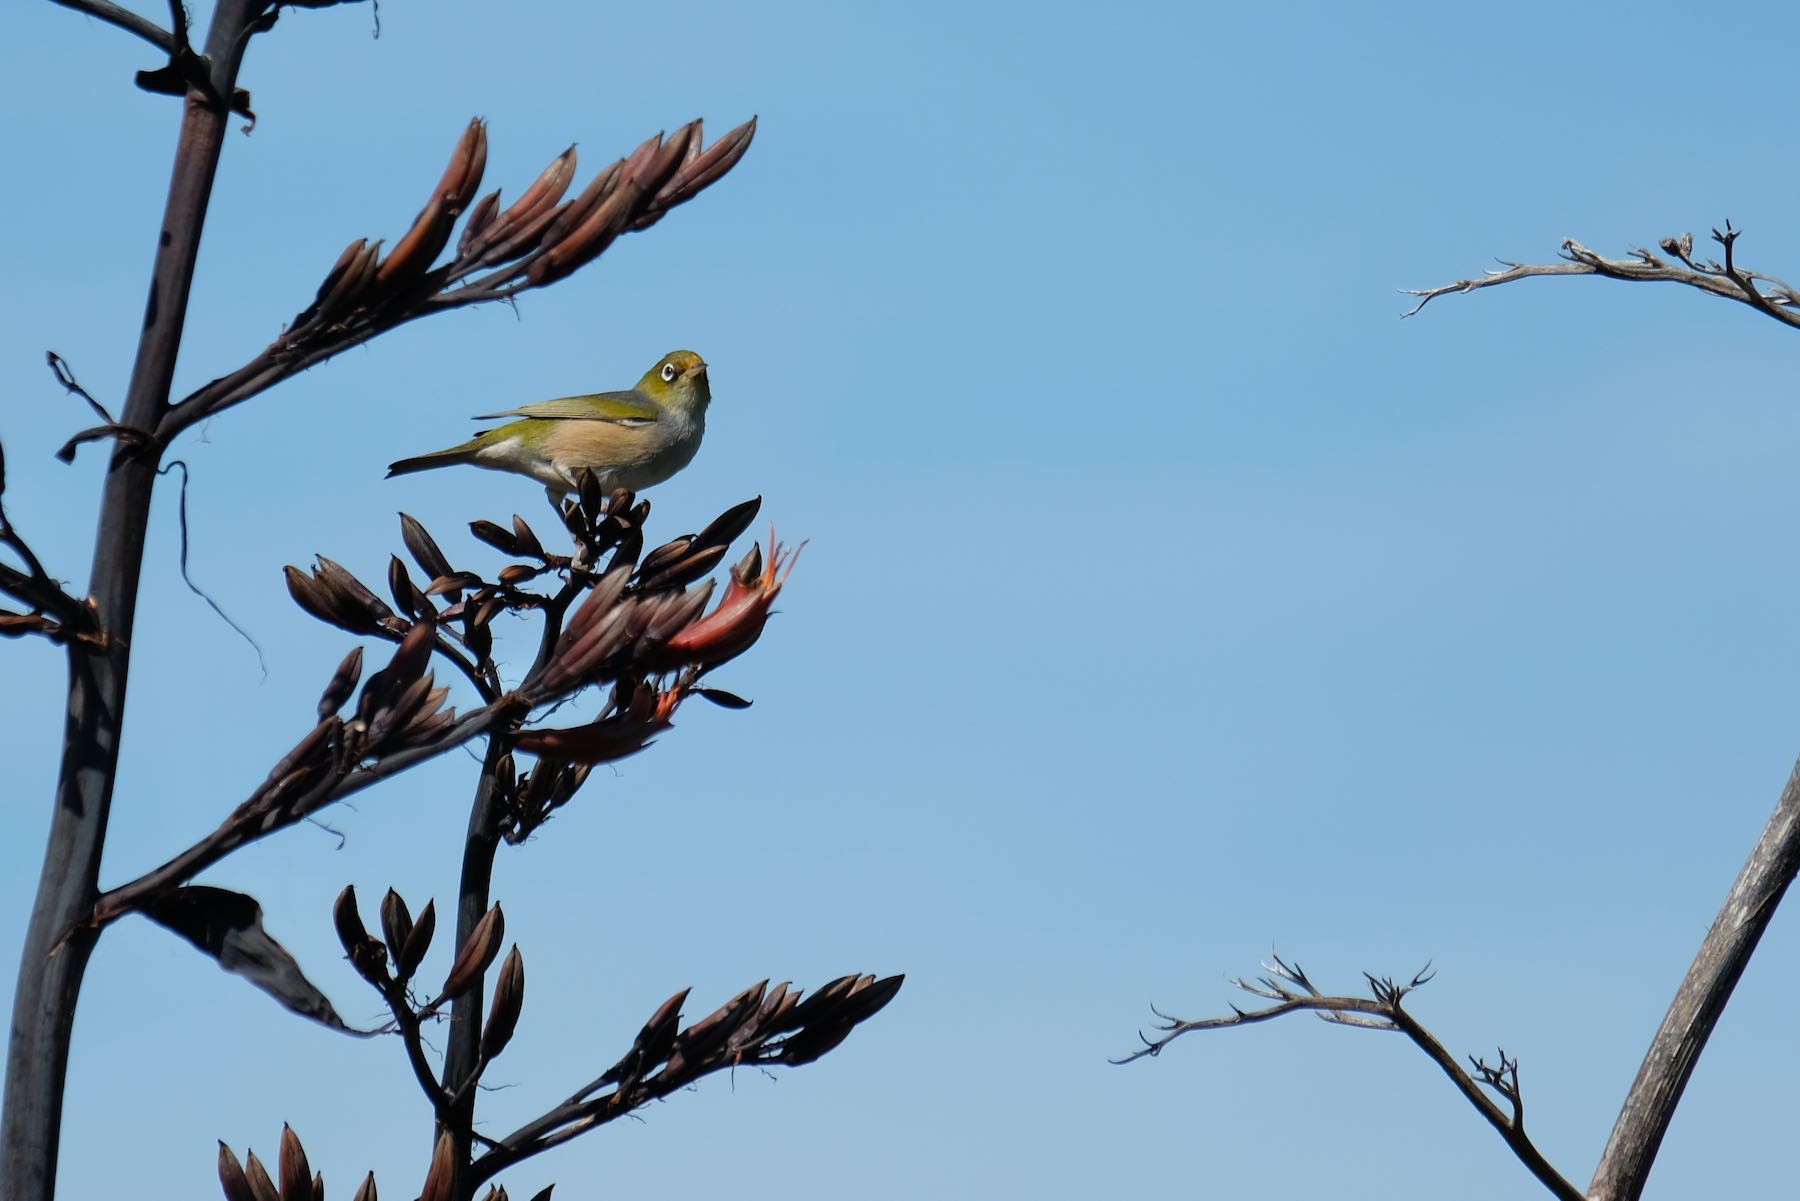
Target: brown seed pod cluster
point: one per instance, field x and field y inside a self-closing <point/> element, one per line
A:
<point x="537" y="239"/>
<point x="618" y="617"/>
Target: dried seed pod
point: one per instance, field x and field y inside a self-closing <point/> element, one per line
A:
<point x="698" y="1042"/>
<point x="403" y="671"/>
<point x="669" y="552"/>
<point x="261" y="1187"/>
<point x="366" y="1191"/>
<point x="496" y="536"/>
<point x="414" y="253"/>
<point x="777" y="1012"/>
<point x="518" y="229"/>
<point x="326" y="604"/>
<point x="657" y="1038"/>
<point x="412" y="602"/>
<point x="699" y="171"/>
<point x="351" y="932"/>
<point x="481" y="218"/>
<point x="352" y="592"/>
<point x="396" y="924"/>
<point x="509" y="999"/>
<point x="424" y="548"/>
<point x="480" y="641"/>
<point x="600" y="600"/>
<point x="423" y="730"/>
<point x="440" y="1180"/>
<point x="812" y="1043"/>
<point x="579" y="209"/>
<point x="418" y="941"/>
<point x="528" y="541"/>
<point x="343" y="284"/>
<point x="729" y="525"/>
<point x="477" y="954"/>
<point x="231" y="1176"/>
<point x="342" y="685"/>
<point x="312" y="751"/>
<point x="515" y="574"/>
<point x="685" y="570"/>
<point x="296" y="1173"/>
<point x="867" y="998"/>
<point x="453" y="584"/>
<point x="679" y="609"/>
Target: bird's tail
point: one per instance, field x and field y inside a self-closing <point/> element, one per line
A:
<point x="437" y="458"/>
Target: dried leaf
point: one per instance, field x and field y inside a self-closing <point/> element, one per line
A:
<point x="228" y="926"/>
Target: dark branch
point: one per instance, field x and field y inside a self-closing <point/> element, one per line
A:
<point x="125" y="19"/>
<point x="1292" y="992"/>
<point x="1766" y="294"/>
<point x="271" y="808"/>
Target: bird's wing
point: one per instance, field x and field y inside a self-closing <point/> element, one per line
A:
<point x="596" y="406"/>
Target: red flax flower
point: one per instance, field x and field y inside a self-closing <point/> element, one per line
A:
<point x="733" y="628"/>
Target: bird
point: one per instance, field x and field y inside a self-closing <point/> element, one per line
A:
<point x="632" y="439"/>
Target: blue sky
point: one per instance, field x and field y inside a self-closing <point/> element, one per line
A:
<point x="1169" y="599"/>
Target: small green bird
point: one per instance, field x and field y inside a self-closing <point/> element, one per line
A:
<point x="627" y="439"/>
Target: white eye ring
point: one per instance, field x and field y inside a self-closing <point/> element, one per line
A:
<point x="668" y="373"/>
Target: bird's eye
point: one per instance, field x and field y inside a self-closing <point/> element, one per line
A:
<point x="668" y="373"/>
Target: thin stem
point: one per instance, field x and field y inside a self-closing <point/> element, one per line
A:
<point x="462" y="1059"/>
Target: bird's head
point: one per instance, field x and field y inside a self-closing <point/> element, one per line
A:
<point x="678" y="381"/>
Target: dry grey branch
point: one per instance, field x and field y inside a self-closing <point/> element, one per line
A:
<point x="1291" y="991"/>
<point x="1724" y="953"/>
<point x="1767" y="294"/>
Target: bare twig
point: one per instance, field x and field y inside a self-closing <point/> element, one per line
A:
<point x="1767" y="294"/>
<point x="1293" y="992"/>
<point x="125" y="19"/>
<point x="59" y="367"/>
